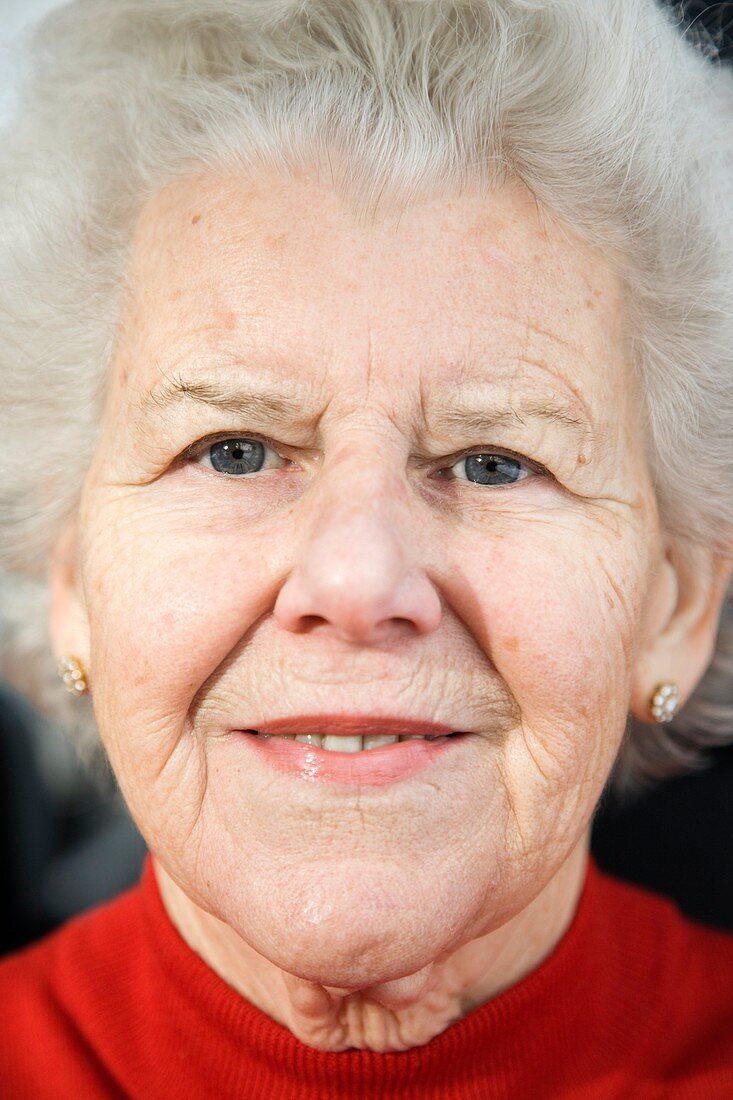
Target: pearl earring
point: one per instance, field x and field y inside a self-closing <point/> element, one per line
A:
<point x="664" y="702"/>
<point x="73" y="675"/>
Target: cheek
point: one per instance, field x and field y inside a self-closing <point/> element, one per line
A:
<point x="559" y="616"/>
<point x="168" y="602"/>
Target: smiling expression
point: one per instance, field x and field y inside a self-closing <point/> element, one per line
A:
<point x="393" y="470"/>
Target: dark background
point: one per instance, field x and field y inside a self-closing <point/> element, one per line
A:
<point x="67" y="841"/>
<point x="715" y="20"/>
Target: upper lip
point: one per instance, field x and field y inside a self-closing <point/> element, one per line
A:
<point x="354" y="725"/>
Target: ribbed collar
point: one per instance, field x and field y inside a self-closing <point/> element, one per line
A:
<point x="582" y="1015"/>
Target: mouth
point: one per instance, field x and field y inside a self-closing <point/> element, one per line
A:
<point x="335" y="742"/>
<point x="360" y="749"/>
<point x="352" y="732"/>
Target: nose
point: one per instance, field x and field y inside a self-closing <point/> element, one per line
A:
<point x="357" y="571"/>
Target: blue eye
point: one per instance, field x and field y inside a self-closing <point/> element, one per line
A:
<point x="488" y="468"/>
<point x="235" y="455"/>
<point x="238" y="456"/>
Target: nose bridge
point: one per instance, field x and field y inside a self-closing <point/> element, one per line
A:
<point x="356" y="523"/>
<point x="357" y="567"/>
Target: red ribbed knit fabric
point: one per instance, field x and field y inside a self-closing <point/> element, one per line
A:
<point x="635" y="1001"/>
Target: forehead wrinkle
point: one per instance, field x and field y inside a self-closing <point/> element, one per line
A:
<point x="467" y="380"/>
<point x="545" y="368"/>
<point x="556" y="338"/>
<point x="467" y="406"/>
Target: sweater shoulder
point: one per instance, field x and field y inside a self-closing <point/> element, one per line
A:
<point x="662" y="919"/>
<point x="683" y="967"/>
<point x="93" y="938"/>
<point x="51" y="990"/>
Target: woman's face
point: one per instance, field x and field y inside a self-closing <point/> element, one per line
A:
<point x="368" y="561"/>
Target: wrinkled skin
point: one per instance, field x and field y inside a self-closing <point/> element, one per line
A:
<point x="363" y="570"/>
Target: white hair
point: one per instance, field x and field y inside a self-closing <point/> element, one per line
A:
<point x="605" y="109"/>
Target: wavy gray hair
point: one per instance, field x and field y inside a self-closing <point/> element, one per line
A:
<point x="601" y="107"/>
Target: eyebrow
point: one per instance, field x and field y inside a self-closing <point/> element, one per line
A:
<point x="241" y="400"/>
<point x="457" y="414"/>
<point x="477" y="418"/>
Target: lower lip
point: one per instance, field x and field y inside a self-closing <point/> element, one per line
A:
<point x="376" y="767"/>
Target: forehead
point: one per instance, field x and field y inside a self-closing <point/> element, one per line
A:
<point x="279" y="270"/>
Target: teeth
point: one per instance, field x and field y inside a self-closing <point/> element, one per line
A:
<point x="306" y="738"/>
<point x="372" y="741"/>
<point x="343" y="744"/>
<point x="347" y="744"/>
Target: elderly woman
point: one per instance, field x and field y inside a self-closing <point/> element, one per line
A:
<point x="367" y="471"/>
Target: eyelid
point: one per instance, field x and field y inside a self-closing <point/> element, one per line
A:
<point x="199" y="446"/>
<point x="531" y="464"/>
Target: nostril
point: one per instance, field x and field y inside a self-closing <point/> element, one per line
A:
<point x="306" y="623"/>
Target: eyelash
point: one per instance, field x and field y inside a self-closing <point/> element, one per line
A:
<point x="199" y="447"/>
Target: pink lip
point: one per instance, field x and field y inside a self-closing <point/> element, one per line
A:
<point x="375" y="767"/>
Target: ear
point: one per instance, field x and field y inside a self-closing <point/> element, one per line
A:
<point x="683" y="613"/>
<point x="67" y="617"/>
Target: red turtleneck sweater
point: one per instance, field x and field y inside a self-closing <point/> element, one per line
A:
<point x="635" y="1001"/>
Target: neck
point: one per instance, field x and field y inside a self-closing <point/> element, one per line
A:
<point x="394" y="1015"/>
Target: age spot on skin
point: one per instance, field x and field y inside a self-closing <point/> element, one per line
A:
<point x="226" y="319"/>
<point x="195" y="219"/>
<point x="276" y="241"/>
